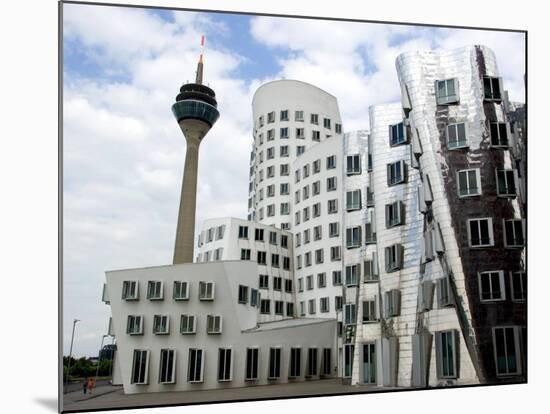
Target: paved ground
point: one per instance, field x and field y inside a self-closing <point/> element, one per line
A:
<point x="112" y="396"/>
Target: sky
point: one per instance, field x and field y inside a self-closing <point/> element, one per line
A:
<point x="123" y="152"/>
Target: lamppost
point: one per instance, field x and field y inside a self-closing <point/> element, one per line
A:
<point x="71" y="352"/>
<point x="99" y="357"/>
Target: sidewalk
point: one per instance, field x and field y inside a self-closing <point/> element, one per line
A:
<point x="114" y="397"/>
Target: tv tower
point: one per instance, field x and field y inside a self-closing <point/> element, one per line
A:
<point x="196" y="111"/>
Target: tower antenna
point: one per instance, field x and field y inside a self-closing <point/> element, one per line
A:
<point x="200" y="64"/>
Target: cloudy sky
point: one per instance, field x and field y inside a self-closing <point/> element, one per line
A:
<point x="123" y="151"/>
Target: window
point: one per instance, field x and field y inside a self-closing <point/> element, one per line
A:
<point x="333" y="229"/>
<point x="397" y="173"/>
<point x="161" y="324"/>
<point x="326" y="363"/>
<point x="277" y="283"/>
<point x="274" y="363"/>
<point x="311" y="362"/>
<point x="309" y="282"/>
<point x="480" y="232"/>
<point x="319" y="256"/>
<point x="348" y="359"/>
<point x="446" y="343"/>
<point x="218" y="253"/>
<point x="270" y="134"/>
<point x="299" y="261"/>
<point x="324" y="304"/>
<point x="317" y="213"/>
<point x="286" y="263"/>
<point x="206" y="290"/>
<point x="210" y="235"/>
<point x="305" y="192"/>
<point x="271" y="169"/>
<point x="456" y="136"/>
<point x="518" y="283"/>
<point x="394" y="257"/>
<point x="275" y="260"/>
<point x="353" y="237"/>
<point x="130" y="290"/>
<point x="425" y="295"/>
<point x="252" y="364"/>
<point x="331" y="184"/>
<point x="446" y="91"/>
<point x="349" y="313"/>
<point x="140" y="367"/>
<point x="506" y="345"/>
<point x="245" y="254"/>
<point x="270" y="210"/>
<point x="261" y="257"/>
<point x="444" y="293"/>
<point x="213" y="324"/>
<point x="284" y="170"/>
<point x="315" y="119"/>
<point x="338" y="302"/>
<point x="332" y="206"/>
<point x="305" y="214"/>
<point x="243" y="294"/>
<point x="283" y="150"/>
<point x="352" y="275"/>
<point x="219" y="232"/>
<point x="181" y="290"/>
<point x="299" y="116"/>
<point x="253" y="297"/>
<point x="224" y="364"/>
<point x="243" y="232"/>
<point x="316" y="187"/>
<point x="288" y="285"/>
<point x="135" y="325"/>
<point x="195" y="365"/>
<point x="514" y="233"/>
<point x="311" y="306"/>
<point x="284" y="115"/>
<point x="392" y="302"/>
<point x="398" y="134"/>
<point x="491" y="286"/>
<point x="271" y="117"/>
<point x="506" y="183"/>
<point x="300" y="150"/>
<point x="264" y="282"/>
<point x="336" y="277"/>
<point x="316" y="136"/>
<point x="265" y="306"/>
<point x="335" y="253"/>
<point x="321" y="280"/>
<point x="297" y="221"/>
<point x="499" y="134"/>
<point x="394" y="214"/>
<point x="353" y="200"/>
<point x="369" y="311"/>
<point x="331" y="162"/>
<point x="295" y="362"/>
<point x="326" y="123"/>
<point x="370" y="272"/>
<point x="188" y="324"/>
<point x="259" y="235"/>
<point x="307" y="259"/>
<point x="469" y="182"/>
<point x="317" y="230"/>
<point x="338" y="128"/>
<point x="353" y="163"/>
<point x="492" y="88"/>
<point x="167" y="366"/>
<point x="290" y="309"/>
<point x="285" y="209"/>
<point x="284" y="189"/>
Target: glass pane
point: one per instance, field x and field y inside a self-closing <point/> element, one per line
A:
<point x="451" y="87"/>
<point x="461" y="131"/>
<point x="451" y="133"/>
<point x="472" y="182"/>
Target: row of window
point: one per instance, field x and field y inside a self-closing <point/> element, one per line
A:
<point x="259" y="235"/>
<point x="161" y="324"/>
<point x="480" y="232"/>
<point x="279" y="307"/>
<point x="284" y="133"/>
<point x="155" y="290"/>
<point x="469" y="182"/>
<point x="278" y="283"/>
<point x="213" y="233"/>
<point x="324" y="305"/>
<point x="447" y="91"/>
<point x="298" y="117"/>
<point x="283" y="152"/>
<point x="315" y="364"/>
<point x="261" y="258"/>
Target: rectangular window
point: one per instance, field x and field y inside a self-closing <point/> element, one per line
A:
<point x="284" y="189"/>
<point x="397" y="173"/>
<point x="350" y="313"/>
<point x="195" y="365"/>
<point x="130" y="290"/>
<point x="518" y="282"/>
<point x="284" y="170"/>
<point x="326" y="363"/>
<point x="277" y="283"/>
<point x="300" y="133"/>
<point x="332" y="206"/>
<point x="307" y="259"/>
<point x="315" y="136"/>
<point x="284" y="241"/>
<point x="336" y="277"/>
<point x="348" y="360"/>
<point x="338" y="128"/>
<point x="167" y="366"/>
<point x="491" y="286"/>
<point x="261" y="257"/>
<point x="188" y="324"/>
<point x="300" y="149"/>
<point x="224" y="364"/>
<point x="480" y="232"/>
<point x="370" y="272"/>
<point x="469" y="182"/>
<point x="160" y="324"/>
<point x="270" y="134"/>
<point x="335" y="253"/>
<point x="311" y="362"/>
<point x="243" y="294"/>
<point x="245" y="254"/>
<point x="302" y="308"/>
<point x="271" y="117"/>
<point x="338" y="303"/>
<point x="270" y="210"/>
<point x="270" y="169"/>
<point x="392" y="303"/>
<point x="284" y="115"/>
<point x="286" y="263"/>
<point x="181" y="290"/>
<point x="326" y="123"/>
<point x="283" y="150"/>
<point x="309" y="282"/>
<point x="333" y="229"/>
<point x="253" y="297"/>
<point x="352" y="275"/>
<point x="321" y="280"/>
<point x="274" y="363"/>
<point x="285" y="209"/>
<point x="275" y="260"/>
<point x="369" y="311"/>
<point x="353" y="164"/>
<point x="394" y="214"/>
<point x="447" y="348"/>
<point x="134" y="325"/>
<point x="243" y="232"/>
<point x="264" y="282"/>
<point x="295" y="362"/>
<point x="311" y="306"/>
<point x="492" y="88"/>
<point x="213" y="324"/>
<point x="506" y="345"/>
<point x="259" y="235"/>
<point x="331" y="184"/>
<point x="500" y="132"/>
<point x="317" y="213"/>
<point x="299" y="116"/>
<point x="252" y="364"/>
<point x="316" y="187"/>
<point x="315" y="119"/>
<point x="290" y="309"/>
<point x="444" y="293"/>
<point x="398" y="134"/>
<point x="456" y="136"/>
<point x="331" y="162"/>
<point x="206" y="290"/>
<point x="324" y="304"/>
<point x="506" y="183"/>
<point x="393" y="257"/>
<point x="514" y="234"/>
<point x="353" y="200"/>
<point x="319" y="256"/>
<point x="265" y="306"/>
<point x="140" y="367"/>
<point x="316" y="166"/>
<point x="353" y="237"/>
<point x="446" y="91"/>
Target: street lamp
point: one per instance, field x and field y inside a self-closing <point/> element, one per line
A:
<point x="99" y="357"/>
<point x="71" y="352"/>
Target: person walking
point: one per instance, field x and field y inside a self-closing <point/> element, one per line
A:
<point x="84" y="385"/>
<point x="90" y="385"/>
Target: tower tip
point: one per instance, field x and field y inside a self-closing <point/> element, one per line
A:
<point x="200" y="64"/>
